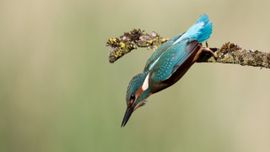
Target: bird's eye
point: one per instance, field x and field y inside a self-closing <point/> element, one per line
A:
<point x="131" y="100"/>
<point x="132" y="97"/>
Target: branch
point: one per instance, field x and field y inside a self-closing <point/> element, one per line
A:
<point x="228" y="53"/>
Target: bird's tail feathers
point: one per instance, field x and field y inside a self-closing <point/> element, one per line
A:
<point x="200" y="30"/>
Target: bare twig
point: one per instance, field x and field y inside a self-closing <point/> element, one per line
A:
<point x="228" y="53"/>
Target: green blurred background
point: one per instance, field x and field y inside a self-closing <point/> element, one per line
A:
<point x="59" y="93"/>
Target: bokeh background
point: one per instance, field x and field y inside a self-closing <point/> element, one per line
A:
<point x="59" y="93"/>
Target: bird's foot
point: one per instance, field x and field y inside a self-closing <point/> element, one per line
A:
<point x="208" y="50"/>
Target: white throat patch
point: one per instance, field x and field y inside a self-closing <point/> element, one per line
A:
<point x="146" y="83"/>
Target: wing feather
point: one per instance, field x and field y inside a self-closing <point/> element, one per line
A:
<point x="158" y="52"/>
<point x="173" y="64"/>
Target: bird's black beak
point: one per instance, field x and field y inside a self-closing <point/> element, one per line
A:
<point x="128" y="113"/>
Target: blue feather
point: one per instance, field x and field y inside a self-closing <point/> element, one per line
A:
<point x="199" y="31"/>
<point x="202" y="18"/>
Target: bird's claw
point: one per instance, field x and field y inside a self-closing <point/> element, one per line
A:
<point x="208" y="50"/>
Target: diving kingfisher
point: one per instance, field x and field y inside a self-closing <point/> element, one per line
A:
<point x="168" y="64"/>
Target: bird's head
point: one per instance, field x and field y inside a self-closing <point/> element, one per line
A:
<point x="138" y="90"/>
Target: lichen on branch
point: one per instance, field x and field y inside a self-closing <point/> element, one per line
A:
<point x="228" y="53"/>
<point x="132" y="40"/>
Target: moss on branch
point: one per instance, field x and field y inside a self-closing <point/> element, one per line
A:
<point x="132" y="40"/>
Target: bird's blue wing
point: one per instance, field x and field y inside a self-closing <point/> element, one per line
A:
<point x="171" y="60"/>
<point x="162" y="48"/>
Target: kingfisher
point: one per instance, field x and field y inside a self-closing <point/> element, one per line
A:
<point x="168" y="63"/>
